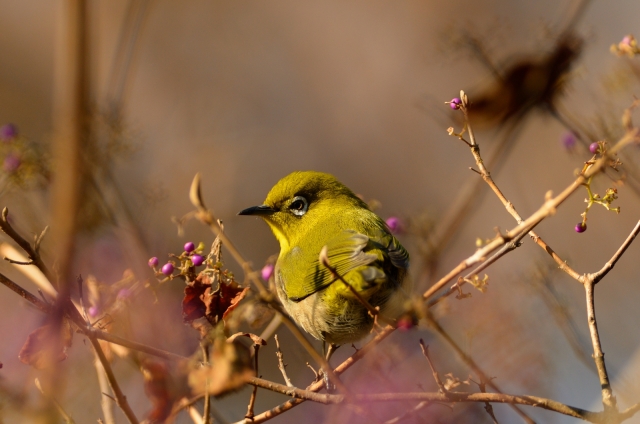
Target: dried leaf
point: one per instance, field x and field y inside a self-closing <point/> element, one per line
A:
<point x="231" y="367"/>
<point x="200" y="300"/>
<point x="44" y="347"/>
<point x="162" y="388"/>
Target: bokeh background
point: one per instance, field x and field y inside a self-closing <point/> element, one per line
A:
<point x="246" y="92"/>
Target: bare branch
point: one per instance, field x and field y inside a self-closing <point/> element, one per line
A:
<point x="548" y="404"/>
<point x="281" y="364"/>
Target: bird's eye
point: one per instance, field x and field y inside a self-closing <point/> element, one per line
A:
<point x="299" y="206"/>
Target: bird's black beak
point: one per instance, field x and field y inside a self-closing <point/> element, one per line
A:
<point x="257" y="210"/>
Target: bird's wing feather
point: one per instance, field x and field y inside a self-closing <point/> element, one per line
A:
<point x="346" y="252"/>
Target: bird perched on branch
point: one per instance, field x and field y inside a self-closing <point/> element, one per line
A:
<point x="363" y="265"/>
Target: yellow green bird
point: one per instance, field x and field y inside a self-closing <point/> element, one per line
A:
<point x="308" y="211"/>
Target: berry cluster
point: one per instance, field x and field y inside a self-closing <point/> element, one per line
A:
<point x="191" y="257"/>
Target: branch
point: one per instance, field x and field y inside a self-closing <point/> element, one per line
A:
<point x="548" y="208"/>
<point x="281" y="364"/>
<point x="596" y="277"/>
<point x="89" y="331"/>
<point x="121" y="399"/>
<point x="33" y="254"/>
<point x="551" y="405"/>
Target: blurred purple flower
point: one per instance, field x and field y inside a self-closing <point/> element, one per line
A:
<point x="123" y="294"/>
<point x="395" y="225"/>
<point x="405" y="323"/>
<point x="8" y="132"/>
<point x="11" y="163"/>
<point x="594" y="147"/>
<point x="569" y="140"/>
<point x="93" y="311"/>
<point x="267" y="272"/>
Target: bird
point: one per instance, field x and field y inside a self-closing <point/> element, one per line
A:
<point x="309" y="211"/>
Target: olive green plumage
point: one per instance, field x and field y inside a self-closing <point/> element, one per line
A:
<point x="309" y="210"/>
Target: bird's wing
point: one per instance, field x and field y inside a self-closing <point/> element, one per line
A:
<point x="346" y="252"/>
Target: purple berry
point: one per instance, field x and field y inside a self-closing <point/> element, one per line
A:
<point x="569" y="140"/>
<point x="11" y="163"/>
<point x="167" y="269"/>
<point x="197" y="260"/>
<point x="594" y="147"/>
<point x="153" y="262"/>
<point x="455" y="103"/>
<point x="8" y="132"/>
<point x="93" y="311"/>
<point x="626" y="41"/>
<point x="267" y="272"/>
<point x="189" y="247"/>
<point x="395" y="225"/>
<point x="580" y="227"/>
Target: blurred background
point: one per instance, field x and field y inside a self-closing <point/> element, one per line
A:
<point x="246" y="92"/>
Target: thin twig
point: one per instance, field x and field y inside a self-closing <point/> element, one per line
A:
<point x="403" y="417"/>
<point x="548" y="208"/>
<point x="436" y="377"/>
<point x="616" y="256"/>
<point x="121" y="399"/>
<point x="105" y="401"/>
<point x="66" y="417"/>
<point x="254" y="392"/>
<point x="34" y="256"/>
<point x="281" y="364"/>
<point x="469" y="362"/>
<point x="206" y="414"/>
<point x="608" y="399"/>
<point x="89" y="331"/>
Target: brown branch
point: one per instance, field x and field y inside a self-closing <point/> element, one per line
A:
<point x="31" y="252"/>
<point x="318" y="385"/>
<point x="469" y="362"/>
<point x="436" y="377"/>
<point x="548" y="208"/>
<point x="616" y="256"/>
<point x="608" y="399"/>
<point x="548" y="404"/>
<point x="252" y="399"/>
<point x="65" y="416"/>
<point x="89" y="331"/>
<point x="281" y="364"/>
<point x="409" y="413"/>
<point x="121" y="399"/>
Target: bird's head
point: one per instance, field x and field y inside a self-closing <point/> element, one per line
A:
<point x="300" y="201"/>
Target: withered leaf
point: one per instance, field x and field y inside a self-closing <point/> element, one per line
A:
<point x="157" y="390"/>
<point x="231" y="367"/>
<point x="200" y="300"/>
<point x="44" y="347"/>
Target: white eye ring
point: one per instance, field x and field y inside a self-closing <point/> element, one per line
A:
<point x="299" y="206"/>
